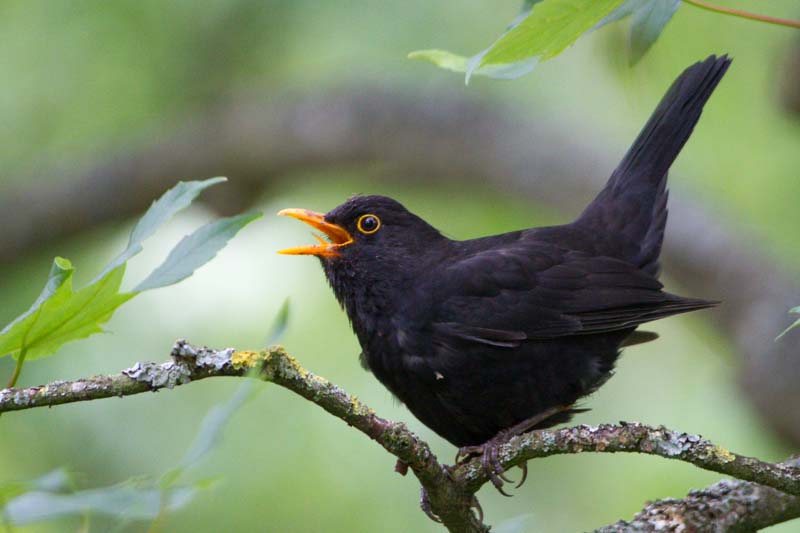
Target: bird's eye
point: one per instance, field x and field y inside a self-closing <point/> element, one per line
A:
<point x="368" y="224"/>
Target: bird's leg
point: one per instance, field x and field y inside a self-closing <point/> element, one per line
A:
<point x="490" y="449"/>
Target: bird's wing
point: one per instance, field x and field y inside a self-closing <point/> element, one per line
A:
<point x="503" y="296"/>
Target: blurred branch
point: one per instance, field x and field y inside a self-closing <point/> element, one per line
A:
<point x="451" y="490"/>
<point x="432" y="136"/>
<point x="728" y="506"/>
<point x="743" y="14"/>
<point x="788" y="74"/>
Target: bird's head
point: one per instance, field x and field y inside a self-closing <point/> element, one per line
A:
<point x="372" y="252"/>
<point x="365" y="227"/>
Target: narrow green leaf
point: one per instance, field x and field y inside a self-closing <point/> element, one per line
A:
<point x="213" y="425"/>
<point x="65" y="315"/>
<point x="648" y="23"/>
<point x="53" y="481"/>
<point x="456" y="63"/>
<point x="195" y="250"/>
<point x="794" y="311"/>
<point x="123" y="501"/>
<point x="551" y="26"/>
<point x="171" y="202"/>
<point x="279" y="324"/>
<point x="441" y="58"/>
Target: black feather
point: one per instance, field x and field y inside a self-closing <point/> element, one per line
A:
<point x="477" y="336"/>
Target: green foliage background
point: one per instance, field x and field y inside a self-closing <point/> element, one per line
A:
<point x="88" y="78"/>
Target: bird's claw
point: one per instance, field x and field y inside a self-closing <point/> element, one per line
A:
<point x="425" y="505"/>
<point x="490" y="462"/>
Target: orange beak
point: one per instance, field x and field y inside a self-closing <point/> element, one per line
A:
<point x="337" y="235"/>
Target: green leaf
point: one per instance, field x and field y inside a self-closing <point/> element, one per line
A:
<point x="195" y="250"/>
<point x="648" y="23"/>
<point x="210" y="433"/>
<point x="279" y="324"/>
<point x="59" y="273"/>
<point x="794" y="311"/>
<point x="213" y="425"/>
<point x="65" y="315"/>
<point x="551" y="26"/>
<point x="627" y="8"/>
<point x="471" y="65"/>
<point x="60" y="315"/>
<point x="441" y="58"/>
<point x="53" y="481"/>
<point x="123" y="502"/>
<point x="456" y="63"/>
<point x="171" y="202"/>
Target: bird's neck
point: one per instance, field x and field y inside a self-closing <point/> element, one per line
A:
<point x="369" y="297"/>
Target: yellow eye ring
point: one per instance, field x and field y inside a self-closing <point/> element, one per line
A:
<point x="368" y="224"/>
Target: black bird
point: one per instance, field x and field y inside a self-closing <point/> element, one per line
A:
<point x="503" y="334"/>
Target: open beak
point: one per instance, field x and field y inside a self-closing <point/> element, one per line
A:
<point x="337" y="235"/>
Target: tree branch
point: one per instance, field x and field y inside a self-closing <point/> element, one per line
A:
<point x="727" y="506"/>
<point x="451" y="489"/>
<point x="636" y="438"/>
<point x="449" y="499"/>
<point x="743" y="14"/>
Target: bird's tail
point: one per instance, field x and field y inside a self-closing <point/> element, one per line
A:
<point x="632" y="208"/>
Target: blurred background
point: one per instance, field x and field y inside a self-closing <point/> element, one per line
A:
<point x="103" y="106"/>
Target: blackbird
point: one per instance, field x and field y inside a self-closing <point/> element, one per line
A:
<point x="499" y="335"/>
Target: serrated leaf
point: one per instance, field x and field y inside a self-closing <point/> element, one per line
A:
<point x="195" y="250"/>
<point x="171" y="202"/>
<point x="648" y="23"/>
<point x="795" y="324"/>
<point x="120" y="501"/>
<point x="61" y="270"/>
<point x="550" y="27"/>
<point x="65" y="315"/>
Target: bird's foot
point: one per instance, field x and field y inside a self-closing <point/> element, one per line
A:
<point x="489" y="451"/>
<point x="425" y="505"/>
<point x="490" y="461"/>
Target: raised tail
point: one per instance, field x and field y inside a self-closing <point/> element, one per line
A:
<point x="632" y="208"/>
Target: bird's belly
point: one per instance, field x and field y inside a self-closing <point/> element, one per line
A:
<point x="469" y="396"/>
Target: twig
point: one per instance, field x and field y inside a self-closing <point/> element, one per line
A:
<point x="637" y="438"/>
<point x="743" y="14"/>
<point x="451" y="489"/>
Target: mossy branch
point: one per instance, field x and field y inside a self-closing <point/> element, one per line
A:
<point x="451" y="489"/>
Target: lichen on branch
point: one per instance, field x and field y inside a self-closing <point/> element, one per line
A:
<point x="451" y="490"/>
